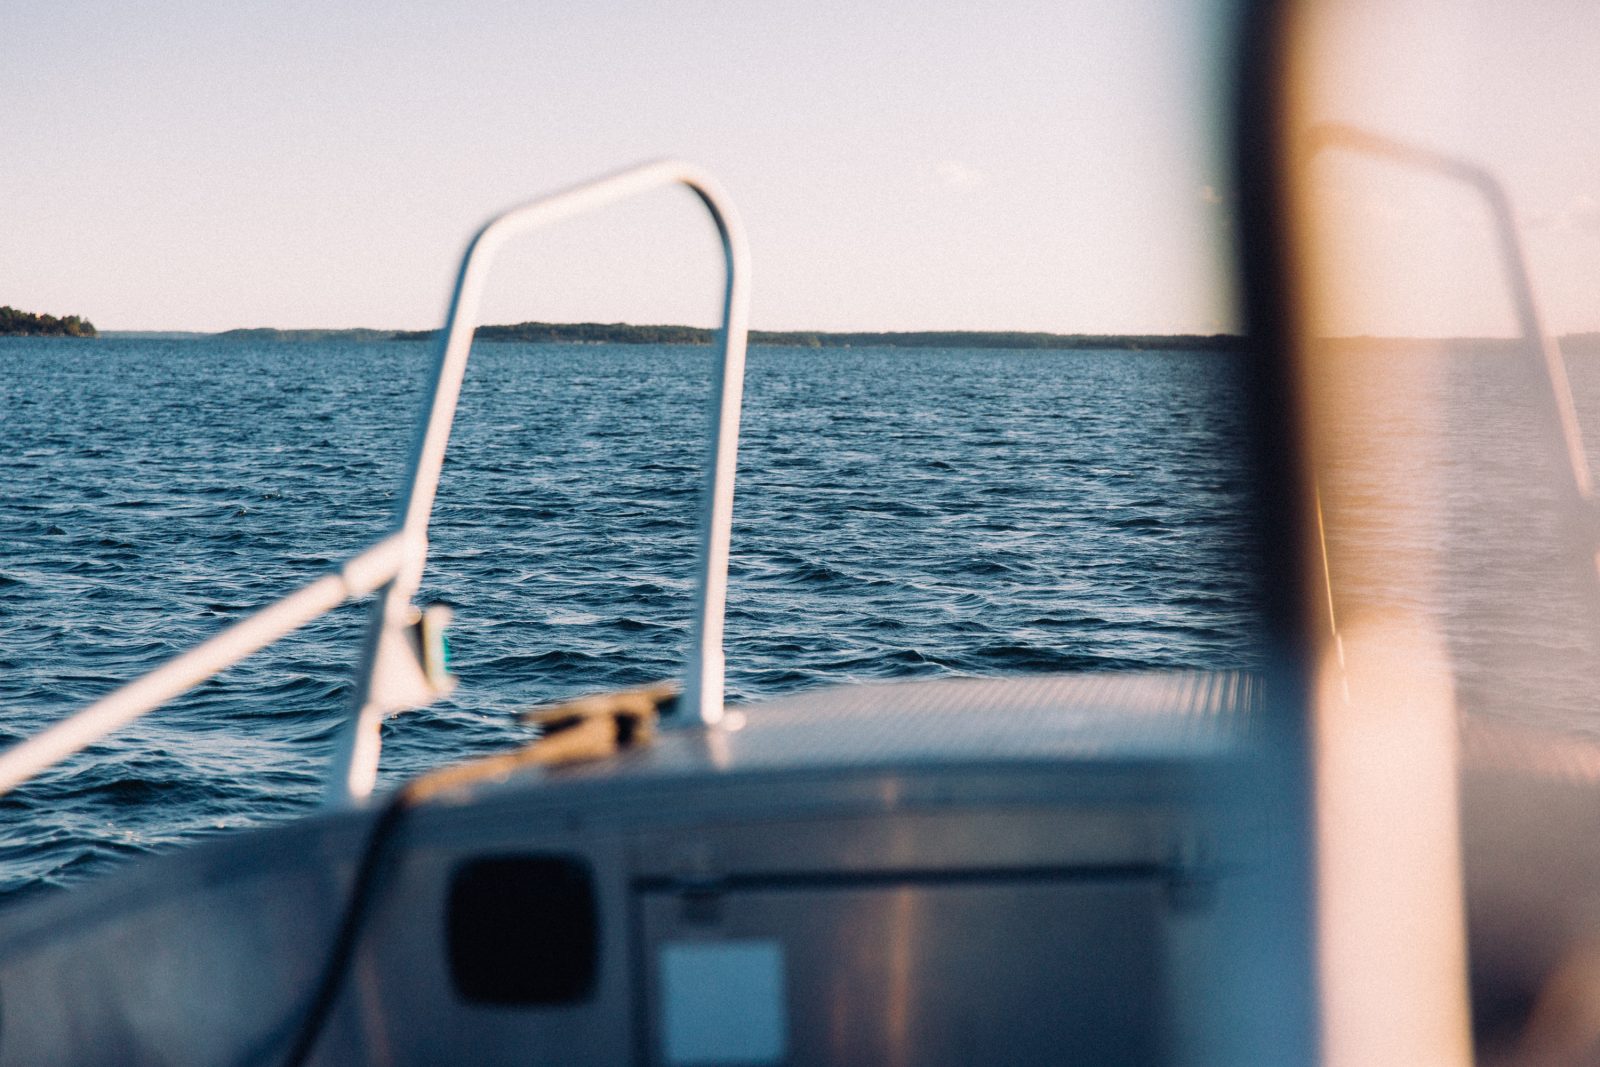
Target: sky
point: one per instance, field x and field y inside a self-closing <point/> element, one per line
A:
<point x="1513" y="87"/>
<point x="900" y="165"/>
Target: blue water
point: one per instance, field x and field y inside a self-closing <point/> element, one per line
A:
<point x="901" y="513"/>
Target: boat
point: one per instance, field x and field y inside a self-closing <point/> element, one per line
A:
<point x="1318" y="862"/>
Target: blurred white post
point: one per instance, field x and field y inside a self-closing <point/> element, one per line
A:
<point x="1391" y="910"/>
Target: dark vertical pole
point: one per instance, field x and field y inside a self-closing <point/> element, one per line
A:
<point x="1261" y="160"/>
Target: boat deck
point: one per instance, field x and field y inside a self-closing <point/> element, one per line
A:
<point x="1068" y="825"/>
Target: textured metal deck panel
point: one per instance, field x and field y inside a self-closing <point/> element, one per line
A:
<point x="1109" y="717"/>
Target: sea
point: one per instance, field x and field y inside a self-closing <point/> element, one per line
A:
<point x="901" y="513"/>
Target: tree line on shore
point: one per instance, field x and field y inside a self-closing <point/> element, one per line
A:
<point x="17" y="322"/>
<point x="27" y="324"/>
<point x="628" y="334"/>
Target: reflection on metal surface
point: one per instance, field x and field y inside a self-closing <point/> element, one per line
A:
<point x="902" y="948"/>
<point x="951" y="969"/>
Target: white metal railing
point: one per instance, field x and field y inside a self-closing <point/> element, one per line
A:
<point x="395" y="670"/>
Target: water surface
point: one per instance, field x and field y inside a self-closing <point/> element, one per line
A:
<point x="900" y="513"/>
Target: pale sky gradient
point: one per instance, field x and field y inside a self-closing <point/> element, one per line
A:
<point x="1506" y="84"/>
<point x="913" y="164"/>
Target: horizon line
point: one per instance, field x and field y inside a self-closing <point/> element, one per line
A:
<point x="417" y="334"/>
<point x="539" y="324"/>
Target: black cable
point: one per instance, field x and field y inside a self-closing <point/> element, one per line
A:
<point x="358" y="906"/>
<point x="630" y="717"/>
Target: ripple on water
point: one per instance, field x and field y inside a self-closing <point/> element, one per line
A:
<point x="900" y="514"/>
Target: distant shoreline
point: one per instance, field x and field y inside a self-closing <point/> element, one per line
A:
<point x="626" y="333"/>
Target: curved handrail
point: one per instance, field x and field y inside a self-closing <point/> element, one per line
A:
<point x="393" y="566"/>
<point x="355" y="765"/>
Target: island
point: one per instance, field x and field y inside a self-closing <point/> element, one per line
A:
<point x="268" y="333"/>
<point x="622" y="333"/>
<point x="14" y="323"/>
